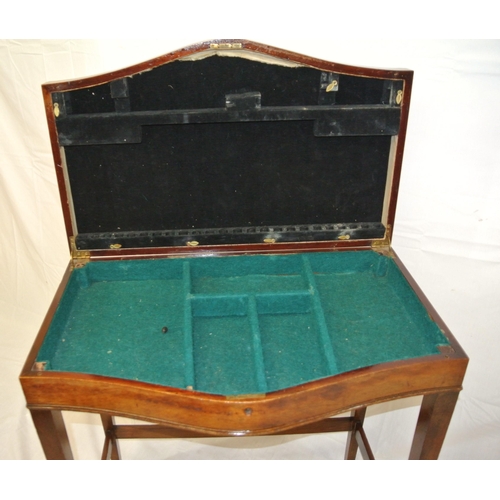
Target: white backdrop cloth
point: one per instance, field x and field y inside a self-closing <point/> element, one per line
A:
<point x="447" y="232"/>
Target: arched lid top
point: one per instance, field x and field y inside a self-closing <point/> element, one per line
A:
<point x="233" y="48"/>
<point x="229" y="142"/>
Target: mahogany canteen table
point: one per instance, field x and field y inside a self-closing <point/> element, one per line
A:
<point x="229" y="209"/>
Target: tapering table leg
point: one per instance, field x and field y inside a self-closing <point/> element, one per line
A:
<point x="51" y="430"/>
<point x="435" y="416"/>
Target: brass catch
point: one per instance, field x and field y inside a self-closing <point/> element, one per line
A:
<point x="333" y="86"/>
<point x="399" y="97"/>
<point x="226" y="46"/>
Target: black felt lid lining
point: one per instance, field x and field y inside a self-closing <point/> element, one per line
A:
<point x="230" y="181"/>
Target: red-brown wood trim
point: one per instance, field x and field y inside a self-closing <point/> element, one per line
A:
<point x="56" y="153"/>
<point x="138" y="431"/>
<point x="247" y="45"/>
<point x="398" y="160"/>
<point x="250" y="414"/>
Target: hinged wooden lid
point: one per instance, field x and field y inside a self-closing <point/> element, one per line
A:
<point x="229" y="146"/>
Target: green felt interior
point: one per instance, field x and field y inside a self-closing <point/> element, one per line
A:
<point x="237" y="325"/>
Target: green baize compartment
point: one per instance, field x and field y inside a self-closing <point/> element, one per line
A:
<point x="237" y="325"/>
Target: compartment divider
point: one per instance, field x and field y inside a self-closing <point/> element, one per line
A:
<point x="257" y="344"/>
<point x="188" y="327"/>
<point x="320" y="316"/>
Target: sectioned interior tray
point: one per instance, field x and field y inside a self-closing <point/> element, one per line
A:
<point x="238" y="325"/>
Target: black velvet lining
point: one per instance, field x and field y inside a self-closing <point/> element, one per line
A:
<point x="238" y="173"/>
<point x="204" y="84"/>
<point x="228" y="175"/>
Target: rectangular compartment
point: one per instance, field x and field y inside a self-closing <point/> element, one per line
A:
<point x="111" y="318"/>
<point x="256" y="274"/>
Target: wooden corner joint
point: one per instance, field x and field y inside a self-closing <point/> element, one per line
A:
<point x="39" y="366"/>
<point x="447" y="351"/>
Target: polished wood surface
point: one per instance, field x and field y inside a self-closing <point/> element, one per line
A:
<point x="433" y="422"/>
<point x="435" y="416"/>
<point x="138" y="431"/>
<point x="51" y="430"/>
<point x="246" y="415"/>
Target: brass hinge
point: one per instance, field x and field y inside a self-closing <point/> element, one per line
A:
<point x="78" y="257"/>
<point x="383" y="245"/>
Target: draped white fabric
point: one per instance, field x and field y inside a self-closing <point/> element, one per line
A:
<point x="447" y="232"/>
